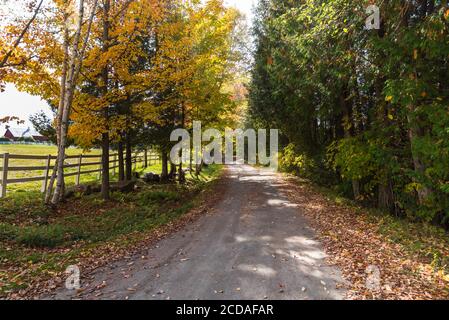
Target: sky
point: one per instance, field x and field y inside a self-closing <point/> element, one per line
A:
<point x="22" y="105"/>
<point x="244" y="6"/>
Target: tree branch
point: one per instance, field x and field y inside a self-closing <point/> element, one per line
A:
<point x="19" y="39"/>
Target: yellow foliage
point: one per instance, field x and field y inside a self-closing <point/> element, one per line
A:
<point x="159" y="56"/>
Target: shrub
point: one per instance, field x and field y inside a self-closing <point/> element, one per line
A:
<point x="294" y="161"/>
<point x="7" y="232"/>
<point x="43" y="236"/>
<point x="147" y="198"/>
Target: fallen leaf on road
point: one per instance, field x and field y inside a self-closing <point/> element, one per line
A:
<point x="102" y="285"/>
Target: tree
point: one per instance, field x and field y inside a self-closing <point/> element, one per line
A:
<point x="8" y="53"/>
<point x="124" y="74"/>
<point x="43" y="124"/>
<point x="73" y="59"/>
<point x="358" y="108"/>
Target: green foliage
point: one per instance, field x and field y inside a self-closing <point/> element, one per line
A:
<point x="293" y="161"/>
<point x="150" y="197"/>
<point x="44" y="236"/>
<point x="37" y="236"/>
<point x="370" y="104"/>
<point x="8" y="232"/>
<point x="28" y="205"/>
<point x="43" y="124"/>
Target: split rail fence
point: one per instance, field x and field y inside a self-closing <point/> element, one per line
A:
<point x="77" y="163"/>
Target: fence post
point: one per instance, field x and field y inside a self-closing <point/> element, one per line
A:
<point x="4" y="175"/>
<point x="46" y="173"/>
<point x="78" y="176"/>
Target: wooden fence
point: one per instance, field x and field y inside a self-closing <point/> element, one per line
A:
<point x="81" y="161"/>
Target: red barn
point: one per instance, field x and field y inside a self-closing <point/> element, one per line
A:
<point x="14" y="134"/>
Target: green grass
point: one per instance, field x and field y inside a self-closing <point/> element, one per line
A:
<point x="40" y="241"/>
<point x="40" y="150"/>
<point x="37" y="236"/>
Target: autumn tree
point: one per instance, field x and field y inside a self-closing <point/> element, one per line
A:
<point x="126" y="73"/>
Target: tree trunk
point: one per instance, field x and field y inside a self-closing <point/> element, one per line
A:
<point x="356" y="189"/>
<point x="129" y="165"/>
<point x="348" y="128"/>
<point x="104" y="89"/>
<point x="62" y="92"/>
<point x="67" y="104"/>
<point x="59" y="191"/>
<point x="121" y="163"/>
<point x="71" y="69"/>
<point x="105" y="166"/>
<point x="414" y="132"/>
<point x="386" y="197"/>
<point x="145" y="158"/>
<point x="199" y="168"/>
<point x="172" y="170"/>
<point x="164" y="159"/>
<point x="181" y="176"/>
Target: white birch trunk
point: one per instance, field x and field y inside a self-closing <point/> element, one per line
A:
<point x="71" y="69"/>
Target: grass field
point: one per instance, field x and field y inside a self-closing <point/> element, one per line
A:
<point x="45" y="150"/>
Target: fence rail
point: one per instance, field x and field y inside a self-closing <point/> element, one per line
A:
<point x="145" y="158"/>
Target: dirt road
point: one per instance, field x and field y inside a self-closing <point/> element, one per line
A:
<point x="254" y="244"/>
